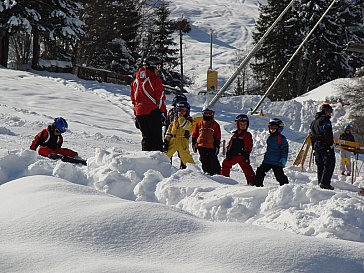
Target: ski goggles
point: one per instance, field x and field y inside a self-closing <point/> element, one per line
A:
<point x="181" y="109"/>
<point x="208" y="113"/>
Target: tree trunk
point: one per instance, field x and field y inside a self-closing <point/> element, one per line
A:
<point x="4" y="48"/>
<point x="36" y="51"/>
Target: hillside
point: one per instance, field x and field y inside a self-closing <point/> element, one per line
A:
<point x="232" y="23"/>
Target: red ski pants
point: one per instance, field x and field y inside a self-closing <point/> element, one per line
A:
<point x="46" y="151"/>
<point x="247" y="169"/>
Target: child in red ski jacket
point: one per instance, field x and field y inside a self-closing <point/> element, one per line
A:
<point x="50" y="140"/>
<point x="239" y="149"/>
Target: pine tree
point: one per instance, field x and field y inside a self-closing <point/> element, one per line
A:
<point x="111" y="28"/>
<point x="64" y="29"/>
<point x="47" y="19"/>
<point x="162" y="42"/>
<point x="322" y="58"/>
<point x="276" y="49"/>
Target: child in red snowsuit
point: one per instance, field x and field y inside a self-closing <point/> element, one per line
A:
<point x="50" y="140"/>
<point x="239" y="149"/>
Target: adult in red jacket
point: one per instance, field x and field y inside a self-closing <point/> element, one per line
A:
<point x="50" y="140"/>
<point x="148" y="100"/>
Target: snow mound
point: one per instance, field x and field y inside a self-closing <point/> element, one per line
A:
<point x="59" y="219"/>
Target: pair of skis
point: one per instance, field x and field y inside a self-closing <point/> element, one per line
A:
<point x="68" y="159"/>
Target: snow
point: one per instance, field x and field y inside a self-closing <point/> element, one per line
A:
<point x="131" y="211"/>
<point x="231" y="22"/>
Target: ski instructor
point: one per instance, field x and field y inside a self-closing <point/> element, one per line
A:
<point x="148" y="100"/>
<point x="323" y="144"/>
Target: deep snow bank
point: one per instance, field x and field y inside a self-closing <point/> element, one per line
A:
<point x="48" y="224"/>
<point x="300" y="207"/>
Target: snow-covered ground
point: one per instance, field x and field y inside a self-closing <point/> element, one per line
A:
<point x="131" y="211"/>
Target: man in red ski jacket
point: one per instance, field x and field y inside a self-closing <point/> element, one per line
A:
<point x="148" y="100"/>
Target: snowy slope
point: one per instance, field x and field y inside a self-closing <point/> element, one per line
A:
<point x="232" y="23"/>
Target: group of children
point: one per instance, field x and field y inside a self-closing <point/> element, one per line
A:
<point x="206" y="139"/>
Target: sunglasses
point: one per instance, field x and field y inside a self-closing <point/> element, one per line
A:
<point x="181" y="110"/>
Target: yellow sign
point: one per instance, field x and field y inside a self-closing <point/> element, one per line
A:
<point x="211" y="80"/>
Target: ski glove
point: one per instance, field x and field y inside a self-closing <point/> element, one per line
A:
<point x="165" y="146"/>
<point x="283" y="161"/>
<point x="217" y="150"/>
<point x="33" y="147"/>
<point x="229" y="155"/>
<point x="246" y="158"/>
<point x="164" y="118"/>
<point x="136" y="124"/>
<point x="194" y="148"/>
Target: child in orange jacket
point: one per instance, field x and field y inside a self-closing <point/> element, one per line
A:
<point x="206" y="138"/>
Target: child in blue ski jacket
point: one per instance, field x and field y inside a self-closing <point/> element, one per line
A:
<point x="276" y="155"/>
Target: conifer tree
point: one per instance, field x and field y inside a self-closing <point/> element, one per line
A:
<point x="47" y="19"/>
<point x="162" y="42"/>
<point x="65" y="29"/>
<point x="323" y="57"/>
<point x="109" y="42"/>
<point x="276" y="49"/>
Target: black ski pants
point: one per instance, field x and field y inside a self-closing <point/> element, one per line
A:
<point x="277" y="170"/>
<point x="210" y="162"/>
<point x="151" y="129"/>
<point x="325" y="161"/>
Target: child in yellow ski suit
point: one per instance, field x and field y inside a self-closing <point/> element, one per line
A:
<point x="178" y="134"/>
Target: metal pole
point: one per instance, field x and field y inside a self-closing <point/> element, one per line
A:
<point x="249" y="56"/>
<point x="290" y="60"/>
<point x="181" y="56"/>
<point x="211" y="49"/>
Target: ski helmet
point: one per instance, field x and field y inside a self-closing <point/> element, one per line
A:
<point x="348" y="127"/>
<point x="241" y="117"/>
<point x="178" y="98"/>
<point x="61" y="124"/>
<point x="151" y="62"/>
<point x="276" y="123"/>
<point x="183" y="104"/>
<point x="326" y="108"/>
<point x="208" y="111"/>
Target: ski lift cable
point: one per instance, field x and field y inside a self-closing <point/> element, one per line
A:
<point x="290" y="60"/>
<point x="249" y="56"/>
